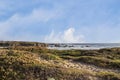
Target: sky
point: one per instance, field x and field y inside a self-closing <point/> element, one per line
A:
<point x="60" y="21"/>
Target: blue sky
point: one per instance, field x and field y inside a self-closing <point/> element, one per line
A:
<point x="60" y="20"/>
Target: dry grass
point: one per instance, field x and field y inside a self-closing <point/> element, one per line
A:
<point x="33" y="62"/>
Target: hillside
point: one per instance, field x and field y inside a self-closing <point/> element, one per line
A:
<point x="28" y="61"/>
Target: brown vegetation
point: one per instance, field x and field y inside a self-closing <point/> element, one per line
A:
<point x="28" y="61"/>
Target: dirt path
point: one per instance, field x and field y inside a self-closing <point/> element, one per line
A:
<point x="78" y="65"/>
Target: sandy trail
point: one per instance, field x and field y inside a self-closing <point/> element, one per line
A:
<point x="78" y="65"/>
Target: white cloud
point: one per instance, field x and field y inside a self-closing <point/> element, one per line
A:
<point x="20" y="21"/>
<point x="68" y="36"/>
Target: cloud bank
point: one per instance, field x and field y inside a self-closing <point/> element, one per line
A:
<point x="67" y="36"/>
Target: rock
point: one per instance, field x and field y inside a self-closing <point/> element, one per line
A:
<point x="50" y="79"/>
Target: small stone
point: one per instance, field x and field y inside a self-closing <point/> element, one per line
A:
<point x="50" y="79"/>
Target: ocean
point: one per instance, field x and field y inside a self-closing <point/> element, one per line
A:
<point x="85" y="46"/>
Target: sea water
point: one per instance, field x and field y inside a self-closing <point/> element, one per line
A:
<point x="86" y="46"/>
